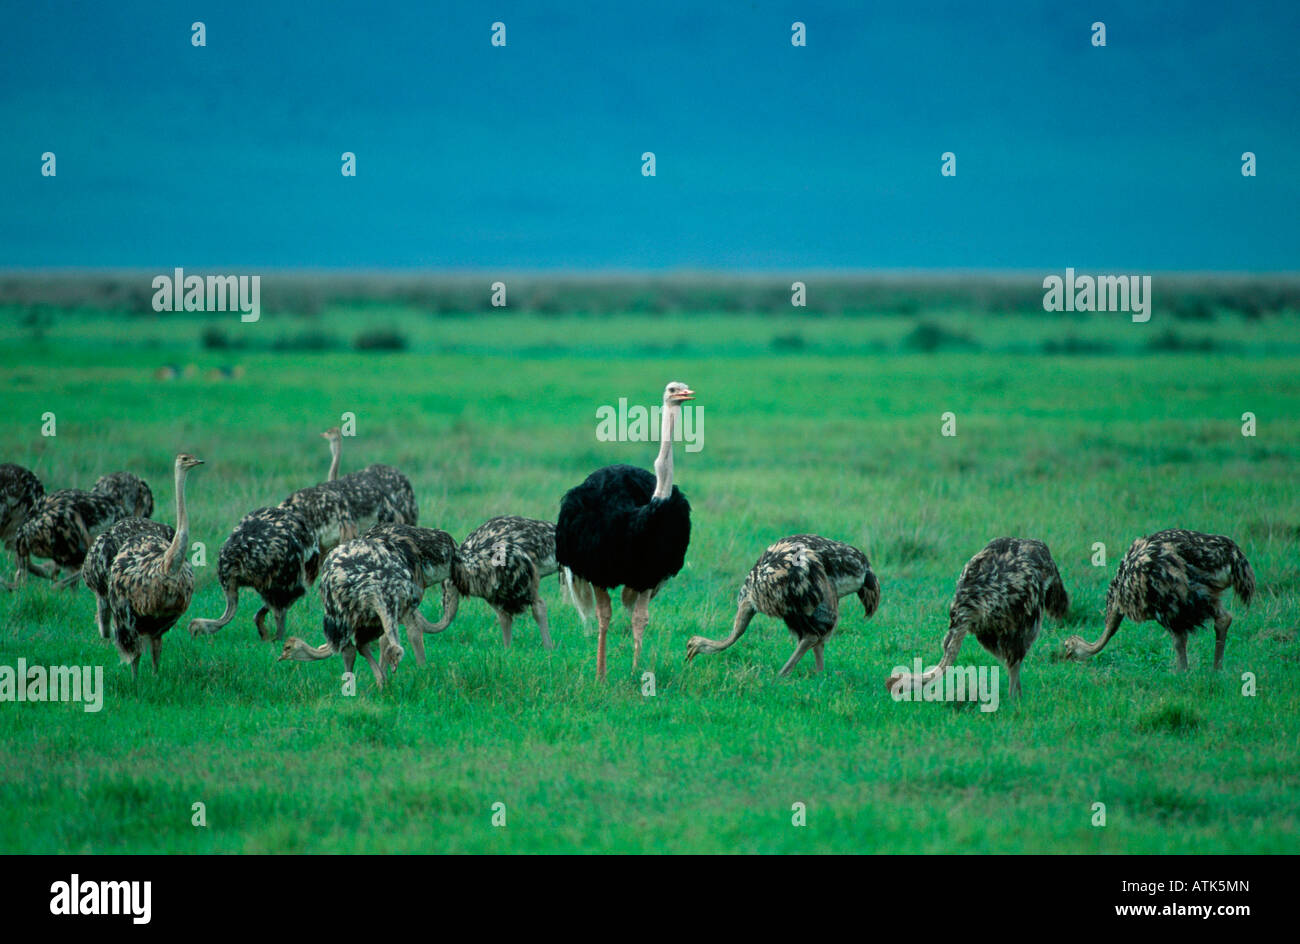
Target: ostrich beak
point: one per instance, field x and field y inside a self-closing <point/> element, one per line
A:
<point x="688" y="395"/>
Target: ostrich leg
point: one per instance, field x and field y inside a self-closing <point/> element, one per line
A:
<point x="805" y="643"/>
<point x="506" y="621"/>
<point x="817" y="654"/>
<point x="539" y="614"/>
<point x="103" y="617"/>
<point x="603" y="612"/>
<point x="260" y="620"/>
<point x="374" y="665"/>
<point x="1013" y="675"/>
<point x="412" y="619"/>
<point x="279" y="624"/>
<point x="155" y="648"/>
<point x="1180" y="651"/>
<point x="1221" y="624"/>
<point x="640" y="617"/>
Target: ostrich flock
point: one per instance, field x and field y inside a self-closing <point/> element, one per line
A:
<point x="357" y="537"/>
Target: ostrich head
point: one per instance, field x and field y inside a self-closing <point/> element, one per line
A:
<point x="694" y="646"/>
<point x="185" y="462"/>
<point x="677" y="393"/>
<point x="1076" y="647"/>
<point x="334" y="434"/>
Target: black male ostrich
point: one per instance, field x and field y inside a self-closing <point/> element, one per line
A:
<point x="274" y="551"/>
<point x="800" y="580"/>
<point x="626" y="527"/>
<point x="1174" y="577"/>
<point x="1002" y="594"/>
<point x="502" y="561"/>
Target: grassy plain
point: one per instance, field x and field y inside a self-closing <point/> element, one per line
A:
<point x="1074" y="431"/>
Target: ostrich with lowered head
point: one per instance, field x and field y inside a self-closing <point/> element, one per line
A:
<point x="1174" y="577"/>
<point x="1002" y="594"/>
<point x="21" y="494"/>
<point x="800" y="580"/>
<point x="371" y="585"/>
<point x="625" y="527"/>
<point x="274" y="551"/>
<point x="503" y="561"/>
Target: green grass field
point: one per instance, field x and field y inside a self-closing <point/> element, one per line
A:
<point x="837" y="433"/>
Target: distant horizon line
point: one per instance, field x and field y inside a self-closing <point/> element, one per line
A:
<point x="617" y="273"/>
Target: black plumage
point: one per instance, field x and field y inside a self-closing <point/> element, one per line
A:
<point x="1175" y="577"/>
<point x="1001" y="596"/>
<point x="625" y="527"/>
<point x="799" y="579"/>
<point x="274" y="552"/>
<point x="612" y="533"/>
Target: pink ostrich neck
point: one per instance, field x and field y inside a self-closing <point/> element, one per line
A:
<point x="174" y="559"/>
<point x="664" y="463"/>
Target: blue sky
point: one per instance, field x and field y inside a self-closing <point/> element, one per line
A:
<point x="1125" y="158"/>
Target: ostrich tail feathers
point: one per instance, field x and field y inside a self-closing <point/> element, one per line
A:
<point x="1243" y="577"/>
<point x="579" y="592"/>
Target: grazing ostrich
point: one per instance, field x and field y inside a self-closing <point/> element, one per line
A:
<point x="21" y="495"/>
<point x="800" y="579"/>
<point x="626" y="527"/>
<point x="503" y="561"/>
<point x="274" y="551"/>
<point x="94" y="570"/>
<point x="1001" y="596"/>
<point x="1174" y="577"/>
<point x="326" y="513"/>
<point x="150" y="581"/>
<point x="368" y="587"/>
<point x="62" y="529"/>
<point x="377" y="494"/>
<point x="130" y="492"/>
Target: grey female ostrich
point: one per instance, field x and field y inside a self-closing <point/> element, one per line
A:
<point x="274" y="551"/>
<point x="1002" y="594"/>
<point x="503" y="561"/>
<point x="21" y="494"/>
<point x="150" y="581"/>
<point x="99" y="559"/>
<point x="130" y="492"/>
<point x="377" y="494"/>
<point x="61" y="530"/>
<point x="1174" y="577"/>
<point x="326" y="513"/>
<point x="368" y="587"/>
<point x="626" y="527"/>
<point x="800" y="580"/>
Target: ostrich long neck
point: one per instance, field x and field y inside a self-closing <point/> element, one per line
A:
<point x="336" y="447"/>
<point x="174" y="559"/>
<point x="664" y="463"/>
<point x="302" y="652"/>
